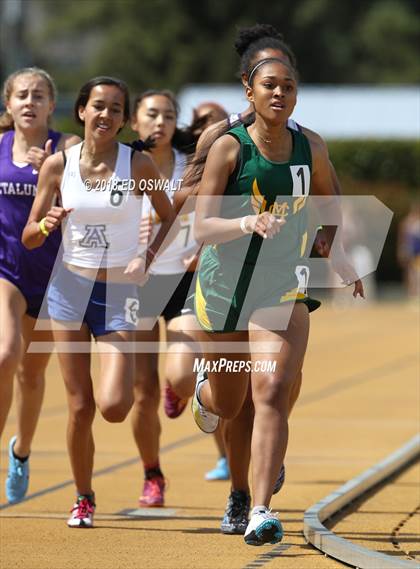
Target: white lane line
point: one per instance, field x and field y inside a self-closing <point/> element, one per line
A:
<point x="148" y="513"/>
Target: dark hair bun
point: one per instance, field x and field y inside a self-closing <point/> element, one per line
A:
<point x="247" y="36"/>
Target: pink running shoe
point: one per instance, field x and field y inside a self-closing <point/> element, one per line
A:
<point x="153" y="493"/>
<point x="173" y="404"/>
<point x="82" y="513"/>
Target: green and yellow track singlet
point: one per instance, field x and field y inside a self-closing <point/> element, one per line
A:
<point x="237" y="277"/>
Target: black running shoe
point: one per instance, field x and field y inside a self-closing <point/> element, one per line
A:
<point x="235" y="520"/>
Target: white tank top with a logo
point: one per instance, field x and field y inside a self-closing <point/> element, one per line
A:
<point x="103" y="228"/>
<point x="170" y="262"/>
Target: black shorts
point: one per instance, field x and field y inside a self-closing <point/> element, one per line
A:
<point x="166" y="295"/>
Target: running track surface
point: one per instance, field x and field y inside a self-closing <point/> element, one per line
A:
<point x="359" y="402"/>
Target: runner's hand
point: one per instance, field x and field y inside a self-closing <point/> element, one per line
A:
<point x="264" y="224"/>
<point x="358" y="289"/>
<point x="37" y="156"/>
<point x="345" y="270"/>
<point x="136" y="271"/>
<point x="55" y="216"/>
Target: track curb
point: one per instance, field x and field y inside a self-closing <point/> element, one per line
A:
<point x="341" y="549"/>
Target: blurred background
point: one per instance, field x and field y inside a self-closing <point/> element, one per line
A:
<point x="358" y="62"/>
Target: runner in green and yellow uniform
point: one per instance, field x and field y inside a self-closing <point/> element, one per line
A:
<point x="267" y="170"/>
<point x="253" y="44"/>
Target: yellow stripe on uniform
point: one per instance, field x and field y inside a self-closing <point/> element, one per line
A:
<point x="292" y="295"/>
<point x="304" y="242"/>
<point x="200" y="307"/>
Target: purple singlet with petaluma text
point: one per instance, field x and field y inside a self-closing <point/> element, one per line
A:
<point x="29" y="271"/>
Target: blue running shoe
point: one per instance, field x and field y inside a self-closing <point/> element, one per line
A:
<point x="17" y="478"/>
<point x="220" y="472"/>
<point x="264" y="527"/>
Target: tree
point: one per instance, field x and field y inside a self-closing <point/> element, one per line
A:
<point x="168" y="43"/>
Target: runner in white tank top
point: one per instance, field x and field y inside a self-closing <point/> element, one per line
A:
<point x="103" y="226"/>
<point x="95" y="290"/>
<point x="154" y="119"/>
<point x="184" y="246"/>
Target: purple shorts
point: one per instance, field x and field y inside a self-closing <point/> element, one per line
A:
<point x="33" y="300"/>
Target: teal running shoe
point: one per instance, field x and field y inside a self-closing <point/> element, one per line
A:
<point x="17" y="480"/>
<point x="220" y="471"/>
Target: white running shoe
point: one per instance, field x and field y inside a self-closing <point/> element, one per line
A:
<point x="205" y="420"/>
<point x="82" y="513"/>
<point x="264" y="527"/>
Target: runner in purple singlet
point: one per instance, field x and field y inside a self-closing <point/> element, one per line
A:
<point x="25" y="141"/>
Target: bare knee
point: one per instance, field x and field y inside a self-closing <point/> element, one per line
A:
<point x="115" y="411"/>
<point x="29" y="379"/>
<point x="273" y="391"/>
<point x="9" y="359"/>
<point x="82" y="411"/>
<point x="183" y="385"/>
